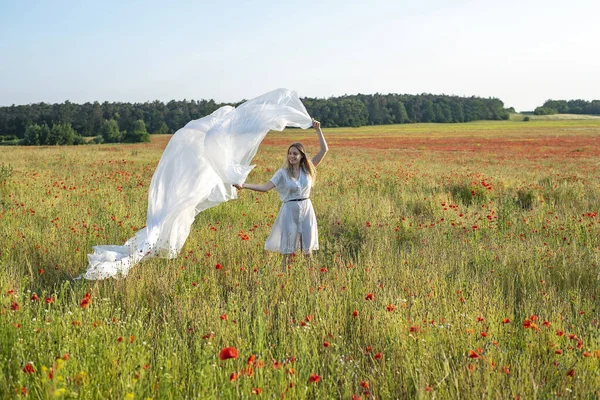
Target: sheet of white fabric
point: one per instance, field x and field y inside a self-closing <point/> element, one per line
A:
<point x="295" y="227"/>
<point x="196" y="171"/>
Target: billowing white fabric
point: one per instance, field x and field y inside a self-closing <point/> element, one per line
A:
<point x="196" y="171"/>
<point x="295" y="227"/>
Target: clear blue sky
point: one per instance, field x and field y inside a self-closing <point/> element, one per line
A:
<point x="521" y="51"/>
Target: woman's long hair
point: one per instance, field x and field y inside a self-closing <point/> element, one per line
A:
<point x="305" y="163"/>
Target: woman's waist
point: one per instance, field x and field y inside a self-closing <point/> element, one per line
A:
<point x="296" y="199"/>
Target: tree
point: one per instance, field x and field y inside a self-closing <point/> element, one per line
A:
<point x="544" y="111"/>
<point x="458" y="114"/>
<point x="109" y="130"/>
<point x="428" y="111"/>
<point x="32" y="135"/>
<point x="63" y="134"/>
<point x="398" y="111"/>
<point x="138" y="133"/>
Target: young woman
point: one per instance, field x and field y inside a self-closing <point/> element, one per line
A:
<point x="296" y="225"/>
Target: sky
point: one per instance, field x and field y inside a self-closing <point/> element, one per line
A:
<point x="522" y="52"/>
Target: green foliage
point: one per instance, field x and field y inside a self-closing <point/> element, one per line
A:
<point x="109" y="131"/>
<point x="36" y="134"/>
<point x="526" y="118"/>
<point x="6" y="172"/>
<point x="526" y="198"/>
<point x="137" y="133"/>
<point x="63" y="134"/>
<point x="545" y="111"/>
<point x="57" y="134"/>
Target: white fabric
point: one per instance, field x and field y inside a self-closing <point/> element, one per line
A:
<point x="295" y="227"/>
<point x="196" y="171"/>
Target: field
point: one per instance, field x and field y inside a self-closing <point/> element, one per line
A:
<point x="456" y="261"/>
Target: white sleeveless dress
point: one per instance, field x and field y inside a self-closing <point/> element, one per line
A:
<point x="296" y="225"/>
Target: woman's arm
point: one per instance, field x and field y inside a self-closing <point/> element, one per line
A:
<point x="258" y="188"/>
<point x="319" y="156"/>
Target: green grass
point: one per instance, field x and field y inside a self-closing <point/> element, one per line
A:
<point x="449" y="243"/>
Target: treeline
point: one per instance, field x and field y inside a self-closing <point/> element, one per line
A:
<point x="382" y="109"/>
<point x="69" y="123"/>
<point x="551" y="107"/>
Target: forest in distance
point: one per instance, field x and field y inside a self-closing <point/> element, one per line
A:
<point x="112" y="122"/>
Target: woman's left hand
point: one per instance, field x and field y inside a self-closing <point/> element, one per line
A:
<point x="316" y="124"/>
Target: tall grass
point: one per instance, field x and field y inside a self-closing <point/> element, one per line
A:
<point x="442" y="273"/>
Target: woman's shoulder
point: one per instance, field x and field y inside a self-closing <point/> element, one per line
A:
<point x="278" y="176"/>
<point x="281" y="172"/>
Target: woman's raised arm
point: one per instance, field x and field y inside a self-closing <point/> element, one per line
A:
<point x="319" y="156"/>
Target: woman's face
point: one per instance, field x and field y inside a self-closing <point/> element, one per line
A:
<point x="294" y="156"/>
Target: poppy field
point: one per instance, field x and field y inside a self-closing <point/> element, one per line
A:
<point x="455" y="261"/>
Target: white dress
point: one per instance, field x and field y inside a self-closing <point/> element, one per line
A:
<point x="296" y="225"/>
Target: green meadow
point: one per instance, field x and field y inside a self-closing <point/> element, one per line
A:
<point x="455" y="261"/>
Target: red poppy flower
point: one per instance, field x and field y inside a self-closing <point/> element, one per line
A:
<point x="355" y="313"/>
<point x="364" y="384"/>
<point x="34" y="297"/>
<point x="390" y="308"/>
<point x="233" y="376"/>
<point x="14" y="306"/>
<point x="472" y="354"/>
<point x="85" y="301"/>
<point x="314" y="378"/>
<point x="325" y="344"/>
<point x="571" y="372"/>
<point x="256" y="391"/>
<point x="370" y="296"/>
<point x="218" y="266"/>
<point x="378" y="356"/>
<point x="227" y="353"/>
<point x="28" y="368"/>
<point x="251" y="359"/>
<point x="505" y="321"/>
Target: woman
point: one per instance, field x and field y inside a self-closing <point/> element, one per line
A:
<point x="296" y="225"/>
